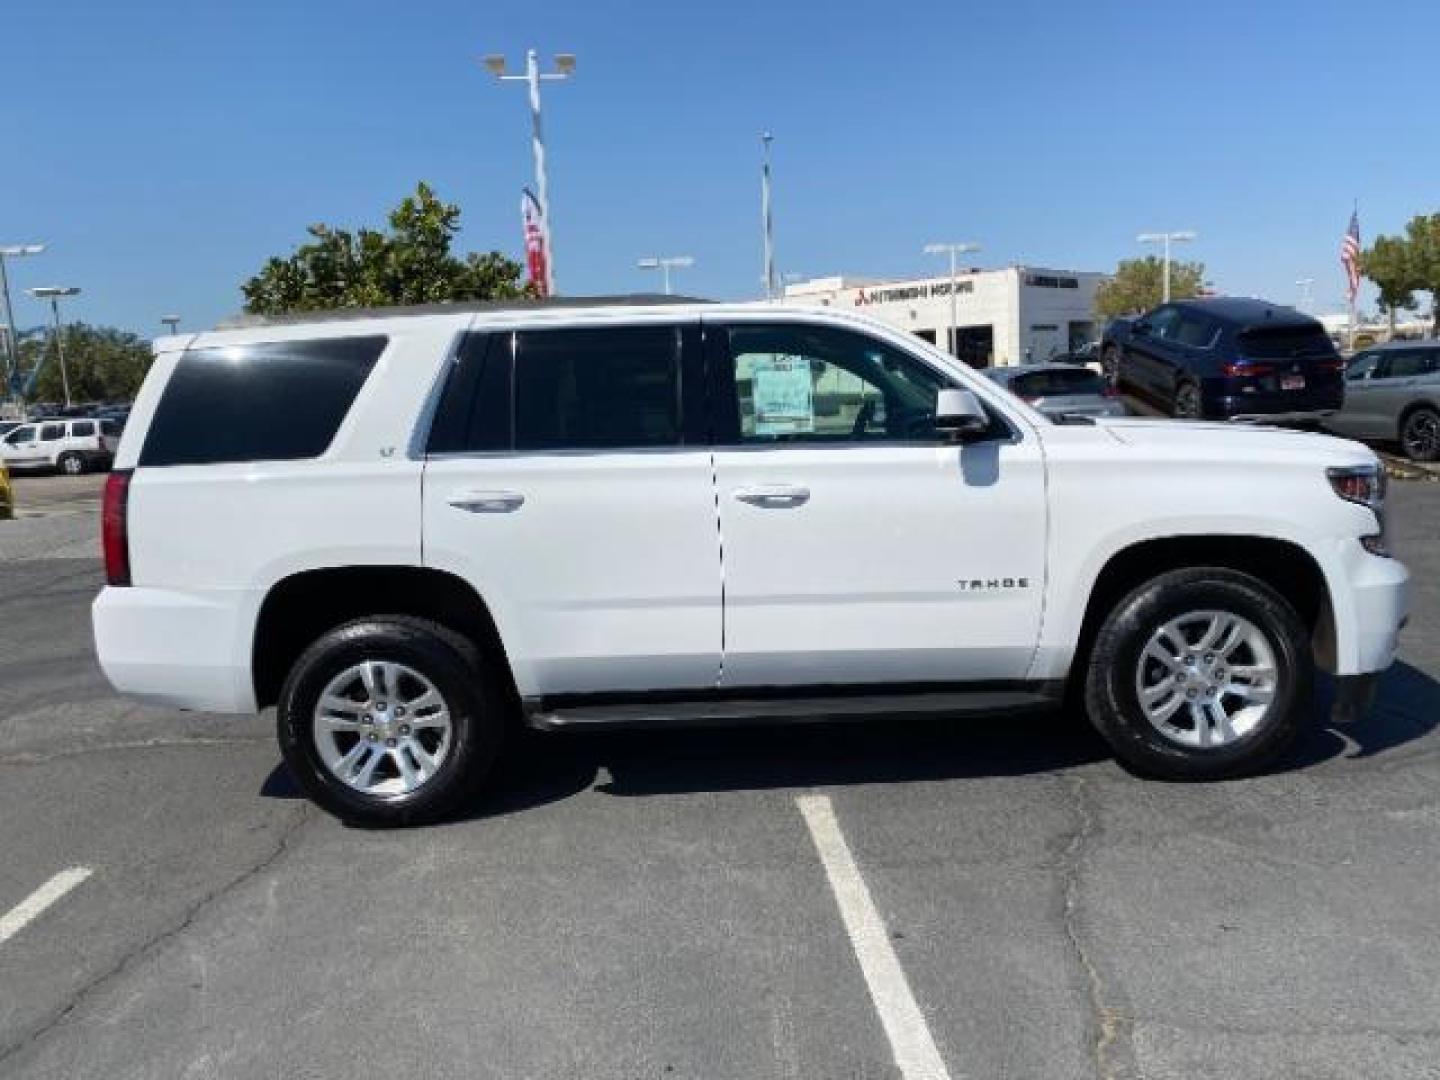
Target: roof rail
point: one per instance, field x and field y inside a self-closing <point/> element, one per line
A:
<point x="525" y="303"/>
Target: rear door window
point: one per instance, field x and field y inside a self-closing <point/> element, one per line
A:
<point x="1195" y="330"/>
<point x="597" y="388"/>
<point x="278" y="401"/>
<point x="52" y="432"/>
<point x="1408" y="363"/>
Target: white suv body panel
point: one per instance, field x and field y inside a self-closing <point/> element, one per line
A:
<point x="661" y="580"/>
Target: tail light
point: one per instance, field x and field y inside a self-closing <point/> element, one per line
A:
<point x="1109" y="391"/>
<point x="115" y="527"/>
<point x="1330" y="365"/>
<point x="1244" y="367"/>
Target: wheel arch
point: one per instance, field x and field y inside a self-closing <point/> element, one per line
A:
<point x="1284" y="565"/>
<point x="299" y="608"/>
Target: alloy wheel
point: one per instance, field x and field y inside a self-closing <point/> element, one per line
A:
<point x="382" y="728"/>
<point x="1206" y="679"/>
<point x="1421" y="437"/>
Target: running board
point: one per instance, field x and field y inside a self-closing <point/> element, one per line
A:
<point x="585" y="711"/>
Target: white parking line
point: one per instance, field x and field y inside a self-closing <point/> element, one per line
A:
<point x="34" y="905"/>
<point x="910" y="1039"/>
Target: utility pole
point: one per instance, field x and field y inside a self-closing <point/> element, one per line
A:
<point x="53" y="293"/>
<point x="12" y="345"/>
<point x="954" y="250"/>
<point x="1166" y="238"/>
<point x="533" y="77"/>
<point x="766" y="222"/>
<point x="171" y="322"/>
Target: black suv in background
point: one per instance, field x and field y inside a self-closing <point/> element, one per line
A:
<point x="1230" y="359"/>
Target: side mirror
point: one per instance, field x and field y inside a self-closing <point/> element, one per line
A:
<point x="959" y="414"/>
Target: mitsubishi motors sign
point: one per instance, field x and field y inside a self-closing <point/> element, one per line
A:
<point x="900" y="293"/>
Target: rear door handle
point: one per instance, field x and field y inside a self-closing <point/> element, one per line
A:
<point x="774" y="496"/>
<point x="487" y="502"/>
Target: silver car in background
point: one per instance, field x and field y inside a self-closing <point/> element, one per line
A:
<point x="1392" y="394"/>
<point x="1060" y="388"/>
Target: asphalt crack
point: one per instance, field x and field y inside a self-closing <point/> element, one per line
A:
<point x="156" y="942"/>
<point x="1112" y="1026"/>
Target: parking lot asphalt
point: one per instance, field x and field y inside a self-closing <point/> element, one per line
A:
<point x="658" y="905"/>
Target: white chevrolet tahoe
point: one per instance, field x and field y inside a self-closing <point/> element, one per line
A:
<point x="411" y="530"/>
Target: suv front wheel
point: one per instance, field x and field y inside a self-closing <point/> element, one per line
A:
<point x="390" y="720"/>
<point x="1200" y="674"/>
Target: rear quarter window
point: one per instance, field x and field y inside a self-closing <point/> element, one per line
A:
<point x="1058" y="383"/>
<point x="82" y="428"/>
<point x="279" y="401"/>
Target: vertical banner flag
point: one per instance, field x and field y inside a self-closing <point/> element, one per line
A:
<point x="1350" y="255"/>
<point x="537" y="242"/>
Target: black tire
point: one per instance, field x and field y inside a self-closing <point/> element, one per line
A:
<point x="461" y="673"/>
<point x="1420" y="434"/>
<point x="1110" y="365"/>
<point x="1113" y="703"/>
<point x="1188" y="404"/>
<point x="71" y="464"/>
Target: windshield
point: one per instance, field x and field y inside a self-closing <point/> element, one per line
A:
<point x="1038" y="384"/>
<point x="1283" y="342"/>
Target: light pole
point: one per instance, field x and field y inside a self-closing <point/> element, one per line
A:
<point x="1166" y="238"/>
<point x="12" y="347"/>
<point x="953" y="250"/>
<point x="533" y="77"/>
<point x="665" y="265"/>
<point x="53" y="293"/>
<point x="1307" y="302"/>
<point x="766" y="222"/>
<point x="172" y="322"/>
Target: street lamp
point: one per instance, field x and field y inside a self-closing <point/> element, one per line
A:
<point x="767" y="224"/>
<point x="53" y="293"/>
<point x="172" y="322"/>
<point x="1166" y="238"/>
<point x="12" y="347"/>
<point x="665" y="265"/>
<point x="533" y="77"/>
<point x="953" y="250"/>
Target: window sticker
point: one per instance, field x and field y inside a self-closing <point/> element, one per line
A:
<point x="784" y="395"/>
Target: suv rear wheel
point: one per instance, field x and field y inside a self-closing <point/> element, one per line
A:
<point x="391" y="720"/>
<point x="71" y="464"/>
<point x="1187" y="402"/>
<point x="1200" y="674"/>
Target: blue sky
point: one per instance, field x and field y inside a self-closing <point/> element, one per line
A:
<point x="163" y="149"/>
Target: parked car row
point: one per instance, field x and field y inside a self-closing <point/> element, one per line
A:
<point x="68" y="446"/>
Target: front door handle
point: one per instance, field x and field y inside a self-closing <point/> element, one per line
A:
<point x="487" y="502"/>
<point x="774" y="496"/>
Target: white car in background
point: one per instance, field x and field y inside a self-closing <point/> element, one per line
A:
<point x="70" y="446"/>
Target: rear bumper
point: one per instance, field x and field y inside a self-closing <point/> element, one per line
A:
<point x="184" y="650"/>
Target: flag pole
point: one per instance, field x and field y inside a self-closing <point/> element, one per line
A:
<point x="1355" y="216"/>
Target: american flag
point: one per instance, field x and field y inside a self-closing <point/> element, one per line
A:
<point x="1350" y="254"/>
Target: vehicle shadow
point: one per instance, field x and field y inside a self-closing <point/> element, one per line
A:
<point x="1407" y="708"/>
<point x="538" y="769"/>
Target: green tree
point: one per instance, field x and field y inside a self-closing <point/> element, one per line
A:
<point x="1422" y="240"/>
<point x="1388" y="263"/>
<point x="103" y="363"/>
<point x="1138" y="285"/>
<point x="411" y="263"/>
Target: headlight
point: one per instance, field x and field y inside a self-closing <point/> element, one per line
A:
<point x="1365" y="485"/>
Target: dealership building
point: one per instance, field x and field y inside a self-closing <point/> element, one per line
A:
<point x="1021" y="314"/>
